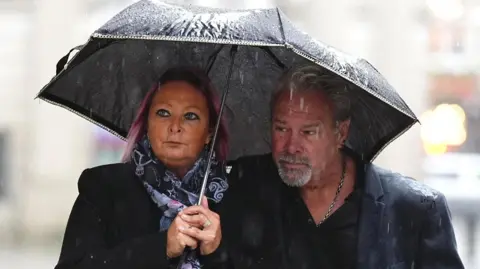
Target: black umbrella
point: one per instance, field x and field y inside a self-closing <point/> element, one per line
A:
<point x="108" y="78"/>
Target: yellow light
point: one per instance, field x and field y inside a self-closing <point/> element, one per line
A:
<point x="459" y="111"/>
<point x="442" y="127"/>
<point x="435" y="149"/>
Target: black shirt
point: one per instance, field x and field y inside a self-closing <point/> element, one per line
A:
<point x="333" y="243"/>
<point x="271" y="227"/>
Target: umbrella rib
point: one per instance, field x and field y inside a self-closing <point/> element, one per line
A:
<point x="391" y="140"/>
<point x="274" y="57"/>
<point x="212" y="58"/>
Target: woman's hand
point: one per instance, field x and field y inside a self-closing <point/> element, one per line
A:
<point x="176" y="240"/>
<point x="204" y="226"/>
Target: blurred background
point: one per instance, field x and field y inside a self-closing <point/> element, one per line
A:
<point x="427" y="49"/>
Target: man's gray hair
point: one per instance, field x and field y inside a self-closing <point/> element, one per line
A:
<point x="313" y="77"/>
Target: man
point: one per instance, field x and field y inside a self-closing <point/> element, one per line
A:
<point x="312" y="203"/>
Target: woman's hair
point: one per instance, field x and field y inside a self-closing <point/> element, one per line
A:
<point x="198" y="79"/>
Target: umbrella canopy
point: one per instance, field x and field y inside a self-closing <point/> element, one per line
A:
<point x="107" y="79"/>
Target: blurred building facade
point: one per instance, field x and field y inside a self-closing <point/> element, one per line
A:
<point x="428" y="53"/>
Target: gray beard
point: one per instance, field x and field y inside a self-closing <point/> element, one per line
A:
<point x="294" y="177"/>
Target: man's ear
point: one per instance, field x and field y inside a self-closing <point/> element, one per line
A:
<point x="343" y="128"/>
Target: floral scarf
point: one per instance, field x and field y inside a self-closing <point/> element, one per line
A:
<point x="172" y="194"/>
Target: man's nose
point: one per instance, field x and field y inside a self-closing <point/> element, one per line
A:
<point x="292" y="144"/>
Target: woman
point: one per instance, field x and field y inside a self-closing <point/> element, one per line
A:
<point x="127" y="215"/>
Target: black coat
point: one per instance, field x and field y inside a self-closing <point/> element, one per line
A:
<point x="402" y="223"/>
<point x="115" y="225"/>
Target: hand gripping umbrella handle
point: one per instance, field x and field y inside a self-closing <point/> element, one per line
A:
<point x="233" y="52"/>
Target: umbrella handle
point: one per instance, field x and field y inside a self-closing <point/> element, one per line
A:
<point x="183" y="257"/>
<point x="233" y="52"/>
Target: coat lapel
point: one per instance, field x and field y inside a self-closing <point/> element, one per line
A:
<point x="370" y="244"/>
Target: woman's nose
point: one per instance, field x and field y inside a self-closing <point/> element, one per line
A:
<point x="175" y="127"/>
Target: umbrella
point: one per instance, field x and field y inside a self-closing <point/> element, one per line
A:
<point x="109" y="76"/>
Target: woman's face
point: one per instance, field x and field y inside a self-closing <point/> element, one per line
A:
<point x="178" y="125"/>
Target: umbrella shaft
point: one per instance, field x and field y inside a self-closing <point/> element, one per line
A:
<point x="212" y="144"/>
<point x="233" y="51"/>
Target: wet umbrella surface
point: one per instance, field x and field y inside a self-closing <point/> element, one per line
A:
<point x="108" y="78"/>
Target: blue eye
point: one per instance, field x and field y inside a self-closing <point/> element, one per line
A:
<point x="191" y="116"/>
<point x="163" y="113"/>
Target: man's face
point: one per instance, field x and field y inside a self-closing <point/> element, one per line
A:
<point x="304" y="137"/>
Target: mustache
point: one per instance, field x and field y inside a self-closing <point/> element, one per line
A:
<point x="294" y="159"/>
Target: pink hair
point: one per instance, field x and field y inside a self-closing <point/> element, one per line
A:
<point x="202" y="82"/>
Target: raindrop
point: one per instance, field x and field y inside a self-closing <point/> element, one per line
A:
<point x="110" y="67"/>
<point x="256" y="56"/>
<point x="91" y="256"/>
<point x="440" y="223"/>
<point x="302" y="102"/>
<point x="123" y="62"/>
<point x="240" y="171"/>
<point x="240" y="74"/>
<point x="388" y="228"/>
<point x="291" y="94"/>
<point x="80" y="80"/>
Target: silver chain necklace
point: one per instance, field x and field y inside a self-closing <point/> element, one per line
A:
<point x="339" y="188"/>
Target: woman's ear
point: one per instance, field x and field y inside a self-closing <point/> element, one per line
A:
<point x="208" y="139"/>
